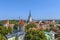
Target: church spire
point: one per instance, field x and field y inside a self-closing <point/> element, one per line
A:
<point x="30" y="13"/>
<point x="29" y="17"/>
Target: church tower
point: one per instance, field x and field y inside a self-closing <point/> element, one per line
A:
<point x="21" y="25"/>
<point x="30" y="17"/>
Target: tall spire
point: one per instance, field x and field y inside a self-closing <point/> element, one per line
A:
<point x="30" y="13"/>
<point x="30" y="17"/>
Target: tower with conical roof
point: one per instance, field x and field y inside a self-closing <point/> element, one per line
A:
<point x="30" y="17"/>
<point x="19" y="26"/>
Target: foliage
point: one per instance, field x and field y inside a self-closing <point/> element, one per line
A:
<point x="30" y="26"/>
<point x="15" y="26"/>
<point x="10" y="30"/>
<point x="35" y="35"/>
<point x="3" y="30"/>
<point x="58" y="27"/>
<point x="52" y="26"/>
<point x="13" y="22"/>
<point x="1" y="22"/>
<point x="2" y="37"/>
<point x="47" y="30"/>
<point x="16" y="38"/>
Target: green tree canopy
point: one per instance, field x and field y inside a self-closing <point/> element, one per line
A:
<point x="16" y="38"/>
<point x="1" y="22"/>
<point x="58" y="27"/>
<point x="13" y="22"/>
<point x="30" y="26"/>
<point x="2" y="37"/>
<point x="3" y="30"/>
<point x="15" y="26"/>
<point x="10" y="30"/>
<point x="35" y="35"/>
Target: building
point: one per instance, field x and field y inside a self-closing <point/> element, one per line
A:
<point x="5" y="22"/>
<point x="18" y="32"/>
<point x="21" y="26"/>
<point x="20" y="36"/>
<point x="50" y="35"/>
<point x="11" y="25"/>
<point x="30" y="17"/>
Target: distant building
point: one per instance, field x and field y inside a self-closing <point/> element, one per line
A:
<point x="30" y="17"/>
<point x="11" y="25"/>
<point x="5" y="22"/>
<point x="49" y="21"/>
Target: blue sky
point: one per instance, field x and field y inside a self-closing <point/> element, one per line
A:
<point x="40" y="9"/>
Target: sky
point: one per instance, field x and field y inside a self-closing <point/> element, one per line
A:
<point x="40" y="9"/>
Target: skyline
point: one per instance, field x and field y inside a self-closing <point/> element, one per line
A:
<point x="40" y="9"/>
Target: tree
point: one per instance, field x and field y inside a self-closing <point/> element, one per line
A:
<point x="16" y="38"/>
<point x="35" y="35"/>
<point x="52" y="26"/>
<point x="47" y="30"/>
<point x="1" y="22"/>
<point x="58" y="27"/>
<point x="13" y="22"/>
<point x="15" y="26"/>
<point x="30" y="26"/>
<point x="2" y="37"/>
<point x="3" y="30"/>
<point x="10" y="30"/>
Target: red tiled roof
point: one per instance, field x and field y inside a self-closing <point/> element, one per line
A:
<point x="39" y="28"/>
<point x="5" y="21"/>
<point x="21" y="22"/>
<point x="11" y="25"/>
